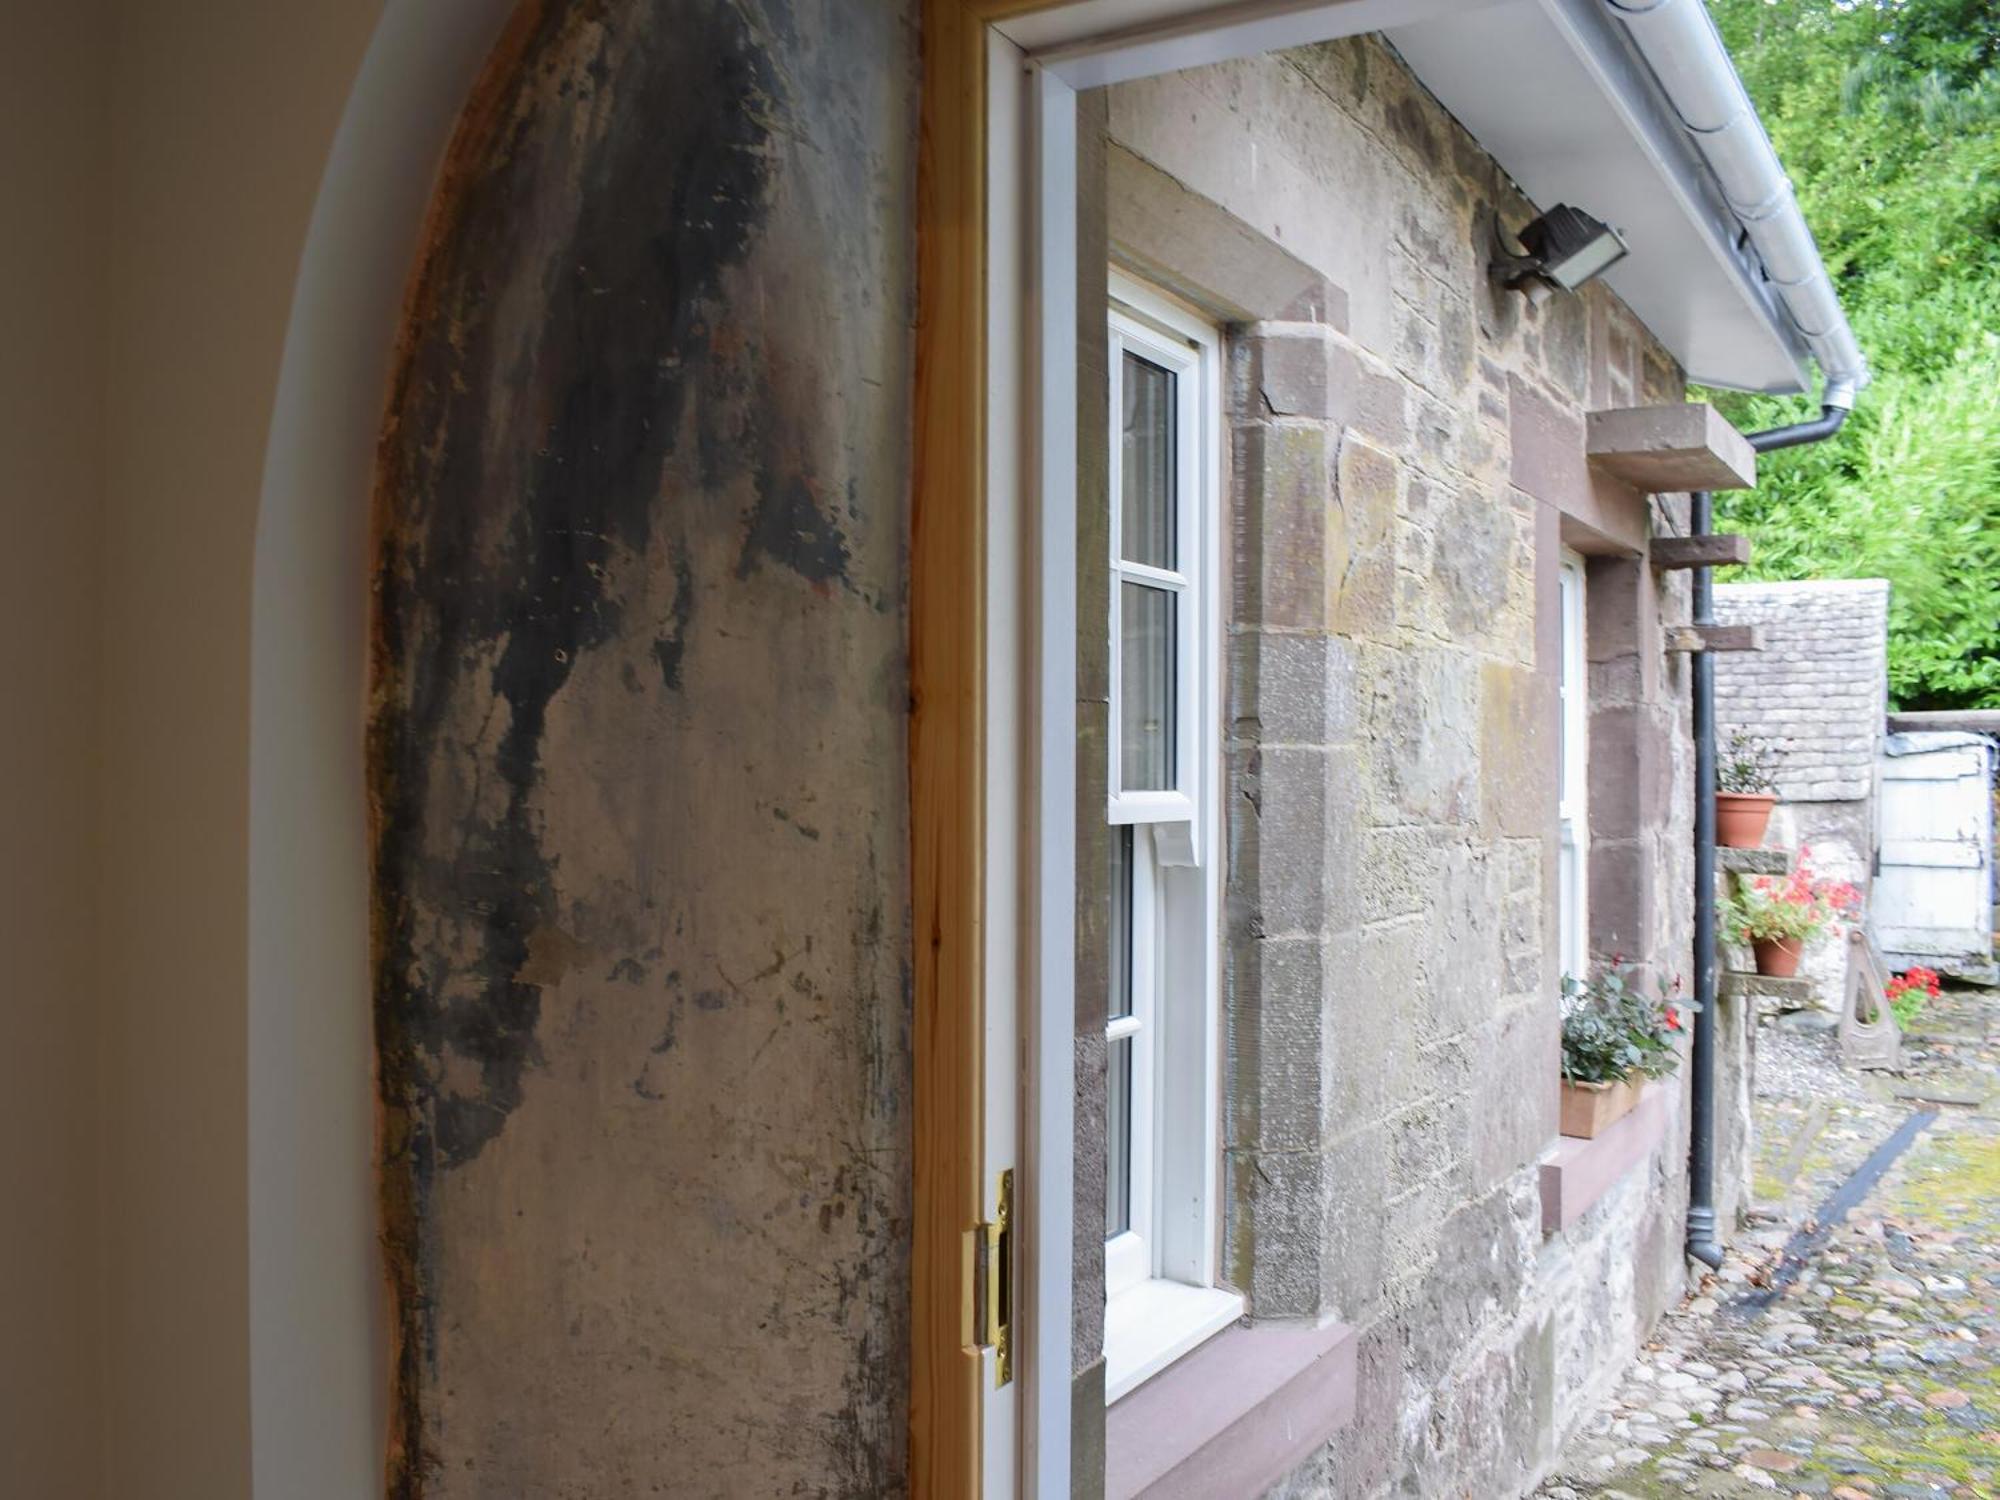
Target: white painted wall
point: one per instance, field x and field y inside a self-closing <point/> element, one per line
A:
<point x="214" y="211"/>
<point x="317" y="1361"/>
<point x="52" y="155"/>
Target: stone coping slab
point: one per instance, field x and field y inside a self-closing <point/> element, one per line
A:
<point x="1753" y="861"/>
<point x="1576" y="1173"/>
<point x="1234" y="1416"/>
<point x="1683" y="446"/>
<point x="1741" y="983"/>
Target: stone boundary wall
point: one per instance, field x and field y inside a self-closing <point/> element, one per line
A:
<point x="1818" y="695"/>
<point x="1819" y="688"/>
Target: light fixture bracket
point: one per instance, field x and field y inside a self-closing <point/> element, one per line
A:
<point x="1560" y="251"/>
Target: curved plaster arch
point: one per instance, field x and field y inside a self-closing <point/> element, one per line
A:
<point x="317" y="1362"/>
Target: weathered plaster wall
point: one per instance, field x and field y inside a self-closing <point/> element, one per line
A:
<point x="318" y="1361"/>
<point x="1407" y="463"/>
<point x="638" y="764"/>
<point x="1735" y="1121"/>
<point x="54" y="151"/>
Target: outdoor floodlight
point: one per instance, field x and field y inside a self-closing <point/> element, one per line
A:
<point x="1565" y="248"/>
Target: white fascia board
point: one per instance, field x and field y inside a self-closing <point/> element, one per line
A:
<point x="1097" y="42"/>
<point x="1553" y="89"/>
<point x="1558" y="96"/>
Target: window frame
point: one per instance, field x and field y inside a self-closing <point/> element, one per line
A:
<point x="1144" y="322"/>
<point x="1130" y="1254"/>
<point x="1573" y="768"/>
<point x="1162" y="1297"/>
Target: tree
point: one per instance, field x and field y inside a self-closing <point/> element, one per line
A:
<point x="1887" y="115"/>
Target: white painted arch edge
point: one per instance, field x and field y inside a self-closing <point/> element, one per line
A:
<point x="318" y="1357"/>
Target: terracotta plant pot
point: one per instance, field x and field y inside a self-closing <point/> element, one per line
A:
<point x="1778" y="958"/>
<point x="1742" y="817"/>
<point x="1589" y="1109"/>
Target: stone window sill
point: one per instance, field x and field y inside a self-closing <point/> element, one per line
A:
<point x="1576" y="1173"/>
<point x="1232" y="1417"/>
<point x="1150" y="1326"/>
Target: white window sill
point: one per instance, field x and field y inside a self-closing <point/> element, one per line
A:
<point x="1149" y="1326"/>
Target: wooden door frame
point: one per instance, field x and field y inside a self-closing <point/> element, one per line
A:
<point x="1066" y="45"/>
<point x="948" y="740"/>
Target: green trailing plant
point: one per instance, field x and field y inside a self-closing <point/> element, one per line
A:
<point x="1748" y="766"/>
<point x="1611" y="1029"/>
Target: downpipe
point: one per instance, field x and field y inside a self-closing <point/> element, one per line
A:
<point x="1703" y="1243"/>
<point x="1834" y="406"/>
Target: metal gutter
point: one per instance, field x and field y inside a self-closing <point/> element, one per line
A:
<point x="1679" y="42"/>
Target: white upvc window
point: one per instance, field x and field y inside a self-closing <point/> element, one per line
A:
<point x="1162" y="1037"/>
<point x="1573" y="776"/>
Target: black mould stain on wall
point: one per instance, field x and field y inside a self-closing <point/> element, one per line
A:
<point x="639" y="575"/>
<point x="515" y="592"/>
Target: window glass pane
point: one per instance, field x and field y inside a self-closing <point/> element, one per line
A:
<point x="1118" y="1132"/>
<point x="1563" y="685"/>
<point x="1567" y="938"/>
<point x="1146" y="690"/>
<point x="1146" y="497"/>
<point x="1121" y="922"/>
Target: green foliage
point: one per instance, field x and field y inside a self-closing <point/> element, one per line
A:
<point x="1908" y="993"/>
<point x="1887" y="115"/>
<point x="1611" y="1031"/>
<point x="1767" y="908"/>
<point x="1747" y="767"/>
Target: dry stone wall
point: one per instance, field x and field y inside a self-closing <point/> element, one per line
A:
<point x="1818" y="691"/>
<point x="1817" y="694"/>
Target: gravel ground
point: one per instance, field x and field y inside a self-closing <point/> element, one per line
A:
<point x="1868" y="1364"/>
<point x="1794" y="1063"/>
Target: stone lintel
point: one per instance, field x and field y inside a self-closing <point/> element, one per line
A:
<point x="1720" y="550"/>
<point x="1753" y="861"/>
<point x="1234" y="1416"/>
<point x="1576" y="1173"/>
<point x="1715" y="638"/>
<point x="1217" y="257"/>
<point x="1662" y="449"/>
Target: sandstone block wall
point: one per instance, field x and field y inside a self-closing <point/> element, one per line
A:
<point x="1406" y="465"/>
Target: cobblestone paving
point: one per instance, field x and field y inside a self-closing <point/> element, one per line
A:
<point x="1874" y="1371"/>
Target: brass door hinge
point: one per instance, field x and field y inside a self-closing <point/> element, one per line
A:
<point x="994" y="1282"/>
